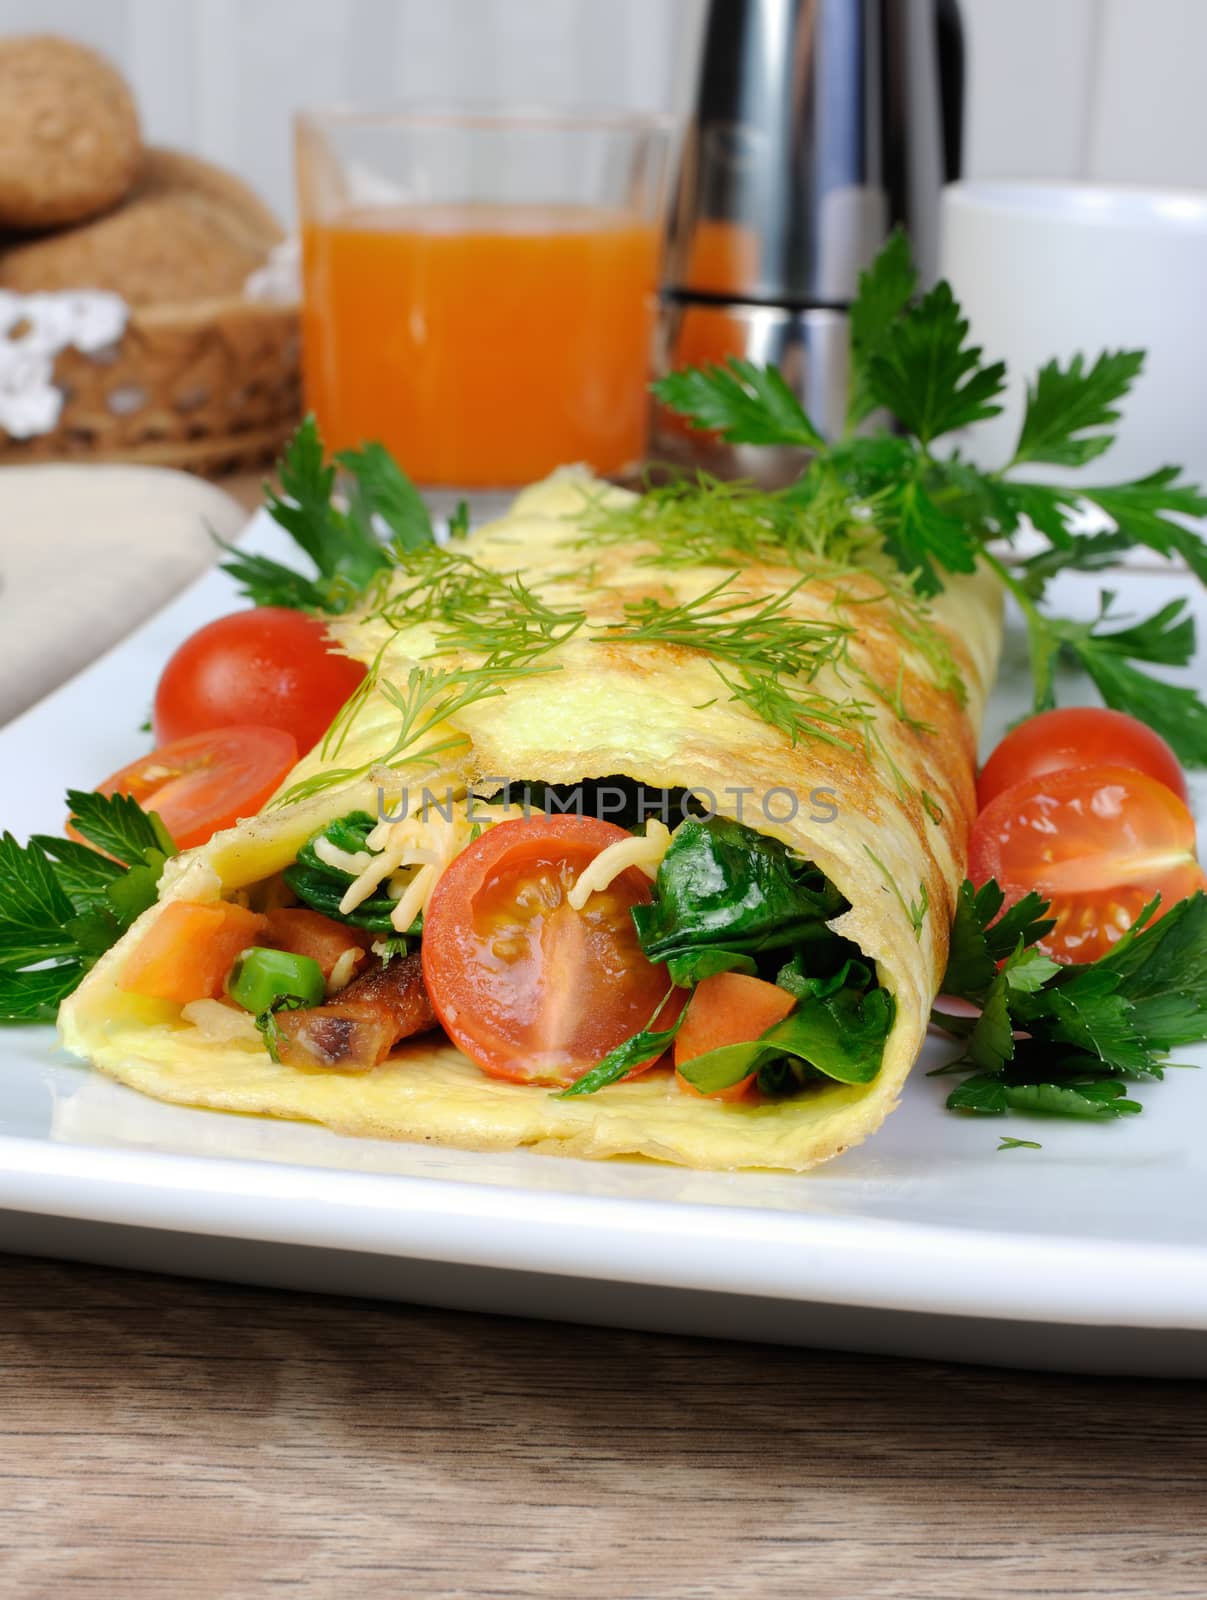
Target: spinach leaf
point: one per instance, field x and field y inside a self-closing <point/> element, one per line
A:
<point x="695" y="965"/>
<point x="322" y="886"/>
<point x="635" y="1051"/>
<point x="721" y="885"/>
<point x="838" y="1027"/>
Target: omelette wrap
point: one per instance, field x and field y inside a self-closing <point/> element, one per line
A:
<point x="801" y="704"/>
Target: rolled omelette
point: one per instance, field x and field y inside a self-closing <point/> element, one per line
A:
<point x="895" y="760"/>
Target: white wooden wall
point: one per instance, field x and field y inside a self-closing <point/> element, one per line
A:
<point x="1104" y="89"/>
<point x="1109" y="90"/>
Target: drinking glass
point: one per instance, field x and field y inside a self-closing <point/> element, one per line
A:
<point x="479" y="286"/>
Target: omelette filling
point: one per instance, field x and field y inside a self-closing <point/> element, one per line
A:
<point x="720" y="936"/>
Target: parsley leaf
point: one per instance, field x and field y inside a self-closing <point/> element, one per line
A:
<point x="980" y="938"/>
<point x="270" y="583"/>
<point x="744" y="403"/>
<point x="34" y="996"/>
<point x="885" y="290"/>
<point x="381" y="488"/>
<point x="1067" y="407"/>
<point x="458" y="523"/>
<point x="991" y="1042"/>
<point x="1057" y="1039"/>
<point x="1087" y="1010"/>
<point x="83" y="873"/>
<point x="1088" y="1099"/>
<point x="1028" y="969"/>
<point x="919" y="535"/>
<point x="1166" y="638"/>
<point x="1163" y="972"/>
<point x="343" y="546"/>
<point x="65" y="904"/>
<point x="1086" y="552"/>
<point x="1139" y="509"/>
<point x="35" y="909"/>
<point x="119" y="826"/>
<point x="928" y="375"/>
<point x="340" y="545"/>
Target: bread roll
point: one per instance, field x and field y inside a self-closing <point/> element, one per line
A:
<point x="69" y="138"/>
<point x="188" y="232"/>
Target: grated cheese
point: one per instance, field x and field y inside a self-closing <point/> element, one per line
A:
<point x="344" y="970"/>
<point x="378" y="869"/>
<point x="409" y="856"/>
<point x="353" y="861"/>
<point x="644" y="853"/>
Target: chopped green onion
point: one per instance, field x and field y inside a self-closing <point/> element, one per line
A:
<point x="259" y="978"/>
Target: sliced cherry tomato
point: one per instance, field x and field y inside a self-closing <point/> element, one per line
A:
<point x="1079" y="736"/>
<point x="188" y="951"/>
<point x="202" y="784"/>
<point x="728" y="1008"/>
<point x="529" y="988"/>
<point x="1098" y="842"/>
<point x="270" y="666"/>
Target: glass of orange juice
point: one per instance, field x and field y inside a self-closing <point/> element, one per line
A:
<point x="479" y="286"/>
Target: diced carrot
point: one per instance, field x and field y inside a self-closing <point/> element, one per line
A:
<point x="188" y="951"/>
<point x="728" y="1008"/>
<point x="310" y="933"/>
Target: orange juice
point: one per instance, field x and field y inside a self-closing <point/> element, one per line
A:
<point x="482" y="345"/>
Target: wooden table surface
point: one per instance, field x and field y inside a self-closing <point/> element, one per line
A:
<point x="172" y="1438"/>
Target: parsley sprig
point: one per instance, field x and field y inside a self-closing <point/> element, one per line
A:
<point x="385" y="520"/>
<point x="1066" y="1040"/>
<point x="66" y="903"/>
<point x="936" y="513"/>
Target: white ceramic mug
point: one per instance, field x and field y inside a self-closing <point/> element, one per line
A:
<point x="1051" y="269"/>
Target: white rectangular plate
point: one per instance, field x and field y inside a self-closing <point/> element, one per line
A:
<point x="1090" y="1252"/>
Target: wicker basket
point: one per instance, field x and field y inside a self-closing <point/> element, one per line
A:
<point x="213" y="388"/>
<point x="209" y="385"/>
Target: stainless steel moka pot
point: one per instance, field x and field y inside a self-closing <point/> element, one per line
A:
<point x="818" y="126"/>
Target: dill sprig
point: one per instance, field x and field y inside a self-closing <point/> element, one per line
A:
<point x="775" y="659"/>
<point x="751" y="633"/>
<point x="915" y="910"/>
<point x="795" y="709"/>
<point x="814" y="526"/>
<point x="706" y="521"/>
<point x="514" y="628"/>
<point x="439" y="584"/>
<point x="429" y="697"/>
<point x="476" y="611"/>
<point x="775" y="656"/>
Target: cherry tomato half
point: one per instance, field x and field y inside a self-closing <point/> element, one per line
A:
<point x="208" y="782"/>
<point x="270" y="666"/>
<point x="1098" y="842"/>
<point x="529" y="988"/>
<point x="1078" y="736"/>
